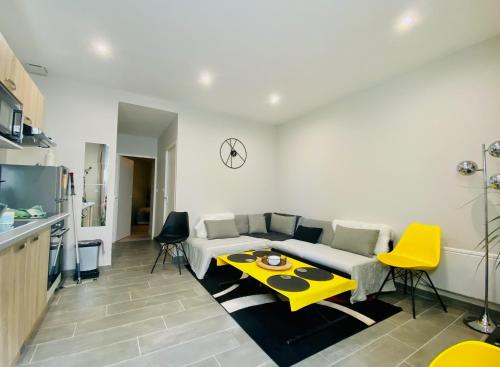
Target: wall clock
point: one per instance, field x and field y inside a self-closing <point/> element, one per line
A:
<point x="233" y="153"/>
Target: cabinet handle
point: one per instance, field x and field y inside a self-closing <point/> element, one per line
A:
<point x="12" y="83"/>
<point x="35" y="239"/>
<point x="28" y="119"/>
<point x="22" y="247"/>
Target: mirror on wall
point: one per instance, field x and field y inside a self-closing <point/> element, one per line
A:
<point x="95" y="185"/>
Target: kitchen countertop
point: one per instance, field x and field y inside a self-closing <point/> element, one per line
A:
<point x="15" y="235"/>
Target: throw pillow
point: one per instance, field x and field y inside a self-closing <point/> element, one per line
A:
<point x="308" y="234"/>
<point x="283" y="224"/>
<point x="225" y="228"/>
<point x="326" y="237"/>
<point x="256" y="224"/>
<point x="355" y="240"/>
<point x="201" y="230"/>
<point x="241" y="223"/>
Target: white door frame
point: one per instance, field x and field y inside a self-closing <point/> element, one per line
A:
<point x="153" y="204"/>
<point x="165" y="187"/>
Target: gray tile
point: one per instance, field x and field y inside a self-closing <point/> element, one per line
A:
<point x="154" y="300"/>
<point x="452" y="335"/>
<point x="184" y="333"/>
<point x="195" y="314"/>
<point x="127" y="317"/>
<point x="186" y="353"/>
<point x="83" y="301"/>
<point x="418" y="331"/>
<point x="53" y="333"/>
<point x="95" y="340"/>
<point x="385" y="351"/>
<point x="316" y="360"/>
<point x="55" y="318"/>
<point x="197" y="301"/>
<point x="421" y="304"/>
<point x="155" y="291"/>
<point x="357" y="341"/>
<point x="208" y="362"/>
<point x="98" y="357"/>
<point x="246" y="355"/>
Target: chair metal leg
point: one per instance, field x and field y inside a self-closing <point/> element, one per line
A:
<point x="157" y="257"/>
<point x="412" y="293"/>
<point x="165" y="257"/>
<point x="393" y="277"/>
<point x="406" y="282"/>
<point x="177" y="257"/>
<point x="436" y="292"/>
<point x="385" y="280"/>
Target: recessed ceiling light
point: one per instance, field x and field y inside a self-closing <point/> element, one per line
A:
<point x="407" y="21"/>
<point x="206" y="78"/>
<point x="274" y="99"/>
<point x="102" y="48"/>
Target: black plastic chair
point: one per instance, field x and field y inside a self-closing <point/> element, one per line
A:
<point x="174" y="232"/>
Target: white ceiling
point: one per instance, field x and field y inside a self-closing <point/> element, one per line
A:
<point x="143" y="121"/>
<point x="309" y="51"/>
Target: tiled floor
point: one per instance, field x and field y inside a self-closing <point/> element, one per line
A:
<point x="131" y="318"/>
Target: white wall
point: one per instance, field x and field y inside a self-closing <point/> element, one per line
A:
<point x="205" y="185"/>
<point x="388" y="154"/>
<point x="136" y="145"/>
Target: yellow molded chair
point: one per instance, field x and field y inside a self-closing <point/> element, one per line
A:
<point x="467" y="354"/>
<point x="417" y="252"/>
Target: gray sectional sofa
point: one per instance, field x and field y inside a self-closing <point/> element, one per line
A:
<point x="365" y="269"/>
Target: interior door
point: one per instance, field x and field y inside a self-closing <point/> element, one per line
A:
<point x="125" y="186"/>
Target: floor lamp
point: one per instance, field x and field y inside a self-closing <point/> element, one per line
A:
<point x="484" y="323"/>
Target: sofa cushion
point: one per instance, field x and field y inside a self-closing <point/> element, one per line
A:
<point x="283" y="224"/>
<point x="225" y="228"/>
<point x="256" y="224"/>
<point x="384" y="236"/>
<point x="324" y="255"/>
<point x="356" y="240"/>
<point x="326" y="237"/>
<point x="269" y="215"/>
<point x="271" y="236"/>
<point x="241" y="223"/>
<point x="308" y="234"/>
<point x="200" y="229"/>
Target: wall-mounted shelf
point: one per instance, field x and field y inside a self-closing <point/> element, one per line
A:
<point x="7" y="144"/>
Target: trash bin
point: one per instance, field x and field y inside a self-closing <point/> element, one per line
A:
<point x="89" y="258"/>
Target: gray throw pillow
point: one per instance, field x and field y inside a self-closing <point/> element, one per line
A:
<point x="241" y="223"/>
<point x="283" y="224"/>
<point x="256" y="224"/>
<point x="355" y="240"/>
<point x="221" y="229"/>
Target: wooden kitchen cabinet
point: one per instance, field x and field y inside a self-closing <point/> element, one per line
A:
<point x="17" y="80"/>
<point x="23" y="286"/>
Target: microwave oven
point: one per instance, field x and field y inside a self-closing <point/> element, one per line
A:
<point x="11" y="121"/>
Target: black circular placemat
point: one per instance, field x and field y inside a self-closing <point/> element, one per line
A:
<point x="289" y="283"/>
<point x="313" y="274"/>
<point x="260" y="253"/>
<point x="242" y="258"/>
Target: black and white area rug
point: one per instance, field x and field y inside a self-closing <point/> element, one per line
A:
<point x="282" y="334"/>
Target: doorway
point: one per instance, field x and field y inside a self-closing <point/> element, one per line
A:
<point x="136" y="197"/>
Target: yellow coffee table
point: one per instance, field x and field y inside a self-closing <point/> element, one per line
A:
<point x="317" y="290"/>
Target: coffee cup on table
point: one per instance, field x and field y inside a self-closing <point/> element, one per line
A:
<point x="273" y="260"/>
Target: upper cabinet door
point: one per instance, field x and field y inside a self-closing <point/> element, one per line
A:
<point x="14" y="75"/>
<point x="5" y="57"/>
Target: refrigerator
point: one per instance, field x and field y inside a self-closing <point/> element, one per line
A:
<point x="24" y="186"/>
